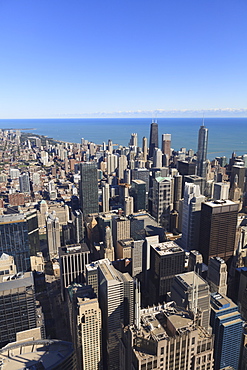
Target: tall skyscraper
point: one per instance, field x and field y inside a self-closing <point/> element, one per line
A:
<point x="138" y="191"/>
<point x="53" y="234"/>
<point x="191" y="216"/>
<point x="24" y="183"/>
<point x="202" y="151"/>
<point x="153" y="141"/>
<point x="162" y="200"/>
<point x="73" y="260"/>
<point x="116" y="299"/>
<point x="86" y="328"/>
<point x="17" y="306"/>
<point x="145" y="148"/>
<point x="166" y="146"/>
<point x="14" y="240"/>
<point x="227" y="326"/>
<point x="218" y="229"/>
<point x="89" y="188"/>
<point x="166" y="260"/>
<point x="217" y="275"/>
<point x="190" y="291"/>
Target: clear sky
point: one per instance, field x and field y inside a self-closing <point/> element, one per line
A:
<point x="75" y="57"/>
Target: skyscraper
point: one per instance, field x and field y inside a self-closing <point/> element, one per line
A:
<point x="166" y="146"/>
<point x="85" y="321"/>
<point x="14" y="240"/>
<point x="202" y="151"/>
<point x="17" y="306"/>
<point x="218" y="229"/>
<point x="162" y="200"/>
<point x="153" y="141"/>
<point x="53" y="234"/>
<point x="191" y="216"/>
<point x="89" y="188"/>
<point x="227" y="327"/>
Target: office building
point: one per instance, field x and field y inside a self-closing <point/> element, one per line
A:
<point x="221" y="190"/>
<point x="167" y="337"/>
<point x="24" y="183"/>
<point x="166" y="260"/>
<point x="105" y="197"/>
<point x="178" y="185"/>
<point x="53" y="234"/>
<point x="227" y="325"/>
<point x="38" y="354"/>
<point x="89" y="188"/>
<point x="191" y="291"/>
<point x="78" y="226"/>
<point x="120" y="229"/>
<point x="166" y="147"/>
<point x="186" y="168"/>
<point x="136" y="257"/>
<point x="153" y="140"/>
<point x="202" y="151"/>
<point x="17" y="305"/>
<point x="238" y="173"/>
<point x="217" y="275"/>
<point x="162" y="200"/>
<point x="196" y="180"/>
<point x="157" y="158"/>
<point x="128" y="206"/>
<point x="145" y="148"/>
<point x="116" y="299"/>
<point x="73" y="260"/>
<point x="191" y="216"/>
<point x="14" y="240"/>
<point x="218" y="229"/>
<point x="86" y="327"/>
<point x="138" y="191"/>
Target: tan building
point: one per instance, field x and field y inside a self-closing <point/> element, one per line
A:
<point x="167" y="338"/>
<point x="85" y="318"/>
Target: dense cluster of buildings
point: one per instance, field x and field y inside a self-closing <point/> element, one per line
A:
<point x="130" y="258"/>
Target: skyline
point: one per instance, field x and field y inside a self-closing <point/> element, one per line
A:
<point x="124" y="59"/>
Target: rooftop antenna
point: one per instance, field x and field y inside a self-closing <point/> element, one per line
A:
<point x="203" y="119"/>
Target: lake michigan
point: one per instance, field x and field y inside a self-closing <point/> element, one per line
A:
<point x="225" y="134"/>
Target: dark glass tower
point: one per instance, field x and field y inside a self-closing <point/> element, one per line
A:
<point x="202" y="151"/>
<point x="89" y="188"/>
<point x="153" y="142"/>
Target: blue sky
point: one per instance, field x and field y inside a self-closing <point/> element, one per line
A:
<point x="122" y="57"/>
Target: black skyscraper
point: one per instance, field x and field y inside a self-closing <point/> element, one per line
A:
<point x="202" y="151"/>
<point x="89" y="188"/>
<point x="153" y="143"/>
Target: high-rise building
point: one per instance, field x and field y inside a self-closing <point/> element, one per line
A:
<point x="191" y="216"/>
<point x="89" y="188"/>
<point x="17" y="306"/>
<point x="14" y="240"/>
<point x="145" y="148"/>
<point x="24" y="183"/>
<point x="105" y="197"/>
<point x="86" y="328"/>
<point x="162" y="200"/>
<point x="178" y="180"/>
<point x="138" y="191"/>
<point x="191" y="291"/>
<point x="73" y="260"/>
<point x="133" y="140"/>
<point x="218" y="229"/>
<point x="120" y="229"/>
<point x="221" y="190"/>
<point x="53" y="234"/>
<point x="116" y="299"/>
<point x="166" y="146"/>
<point x="238" y="173"/>
<point x="227" y="325"/>
<point x="153" y="141"/>
<point x="217" y="275"/>
<point x="157" y="158"/>
<point x="167" y="337"/>
<point x="78" y="226"/>
<point x="166" y="260"/>
<point x="202" y="151"/>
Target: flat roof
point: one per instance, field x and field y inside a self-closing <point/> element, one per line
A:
<point x="169" y="247"/>
<point x="40" y="354"/>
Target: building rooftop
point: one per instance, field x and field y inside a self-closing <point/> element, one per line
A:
<point x="221" y="302"/>
<point x="35" y="355"/>
<point x="165" y="248"/>
<point x="73" y="248"/>
<point x="188" y="279"/>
